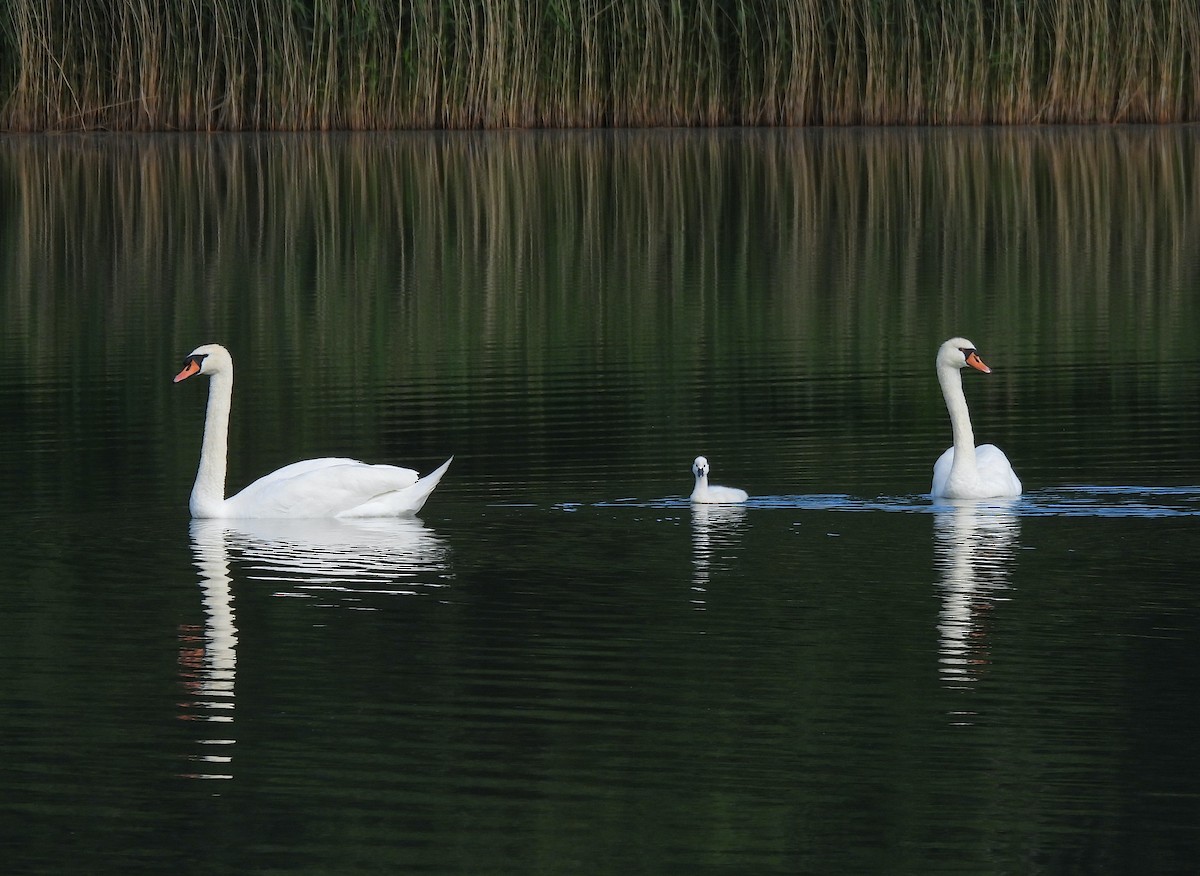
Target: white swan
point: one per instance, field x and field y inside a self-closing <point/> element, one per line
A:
<point x="965" y="471"/>
<point x="329" y="487"/>
<point x="712" y="495"/>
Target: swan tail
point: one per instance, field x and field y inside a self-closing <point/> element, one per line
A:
<point x="400" y="503"/>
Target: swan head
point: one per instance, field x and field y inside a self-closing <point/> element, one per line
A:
<point x="206" y="359"/>
<point x="700" y="467"/>
<point x="959" y="352"/>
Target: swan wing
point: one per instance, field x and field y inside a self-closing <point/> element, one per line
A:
<point x="941" y="472"/>
<point x="397" y="503"/>
<point x="304" y="466"/>
<point x="317" y="488"/>
<point x="995" y="472"/>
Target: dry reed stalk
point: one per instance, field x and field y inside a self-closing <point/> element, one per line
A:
<point x="324" y="64"/>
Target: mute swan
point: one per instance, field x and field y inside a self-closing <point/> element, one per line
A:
<point x="329" y="487"/>
<point x="712" y="495"/>
<point x="965" y="471"/>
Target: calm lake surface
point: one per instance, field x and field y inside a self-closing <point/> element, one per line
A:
<point x="562" y="666"/>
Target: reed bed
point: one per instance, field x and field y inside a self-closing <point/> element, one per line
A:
<point x="232" y="65"/>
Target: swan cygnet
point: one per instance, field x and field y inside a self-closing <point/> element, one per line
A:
<point x="965" y="471"/>
<point x="705" y="493"/>
<point x="313" y="488"/>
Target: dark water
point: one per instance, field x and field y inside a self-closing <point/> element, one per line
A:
<point x="562" y="667"/>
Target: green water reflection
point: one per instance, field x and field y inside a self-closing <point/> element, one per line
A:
<point x="563" y="667"/>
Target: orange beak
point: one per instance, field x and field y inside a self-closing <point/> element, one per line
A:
<point x="972" y="359"/>
<point x="189" y="369"/>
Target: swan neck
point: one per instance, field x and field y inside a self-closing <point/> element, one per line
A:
<point x="960" y="418"/>
<point x="208" y="493"/>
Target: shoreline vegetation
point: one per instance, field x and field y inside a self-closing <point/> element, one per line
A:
<point x="313" y="65"/>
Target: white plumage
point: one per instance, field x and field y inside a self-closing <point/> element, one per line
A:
<point x="706" y="493"/>
<point x="965" y="471"/>
<point x="328" y="487"/>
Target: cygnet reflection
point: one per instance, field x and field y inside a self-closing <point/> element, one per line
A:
<point x="714" y="529"/>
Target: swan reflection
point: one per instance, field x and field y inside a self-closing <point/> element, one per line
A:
<point x="714" y="527"/>
<point x="208" y="659"/>
<point x="975" y="544"/>
<point x="342" y="563"/>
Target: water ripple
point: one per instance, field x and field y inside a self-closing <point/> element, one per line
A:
<point x="1064" y="501"/>
<point x="332" y="559"/>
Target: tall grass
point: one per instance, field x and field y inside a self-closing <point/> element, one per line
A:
<point x="372" y="64"/>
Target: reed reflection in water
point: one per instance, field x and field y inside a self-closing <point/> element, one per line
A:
<point x="975" y="546"/>
<point x="485" y="215"/>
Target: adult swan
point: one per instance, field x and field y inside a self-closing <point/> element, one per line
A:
<point x="965" y="471"/>
<point x="329" y="487"/>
